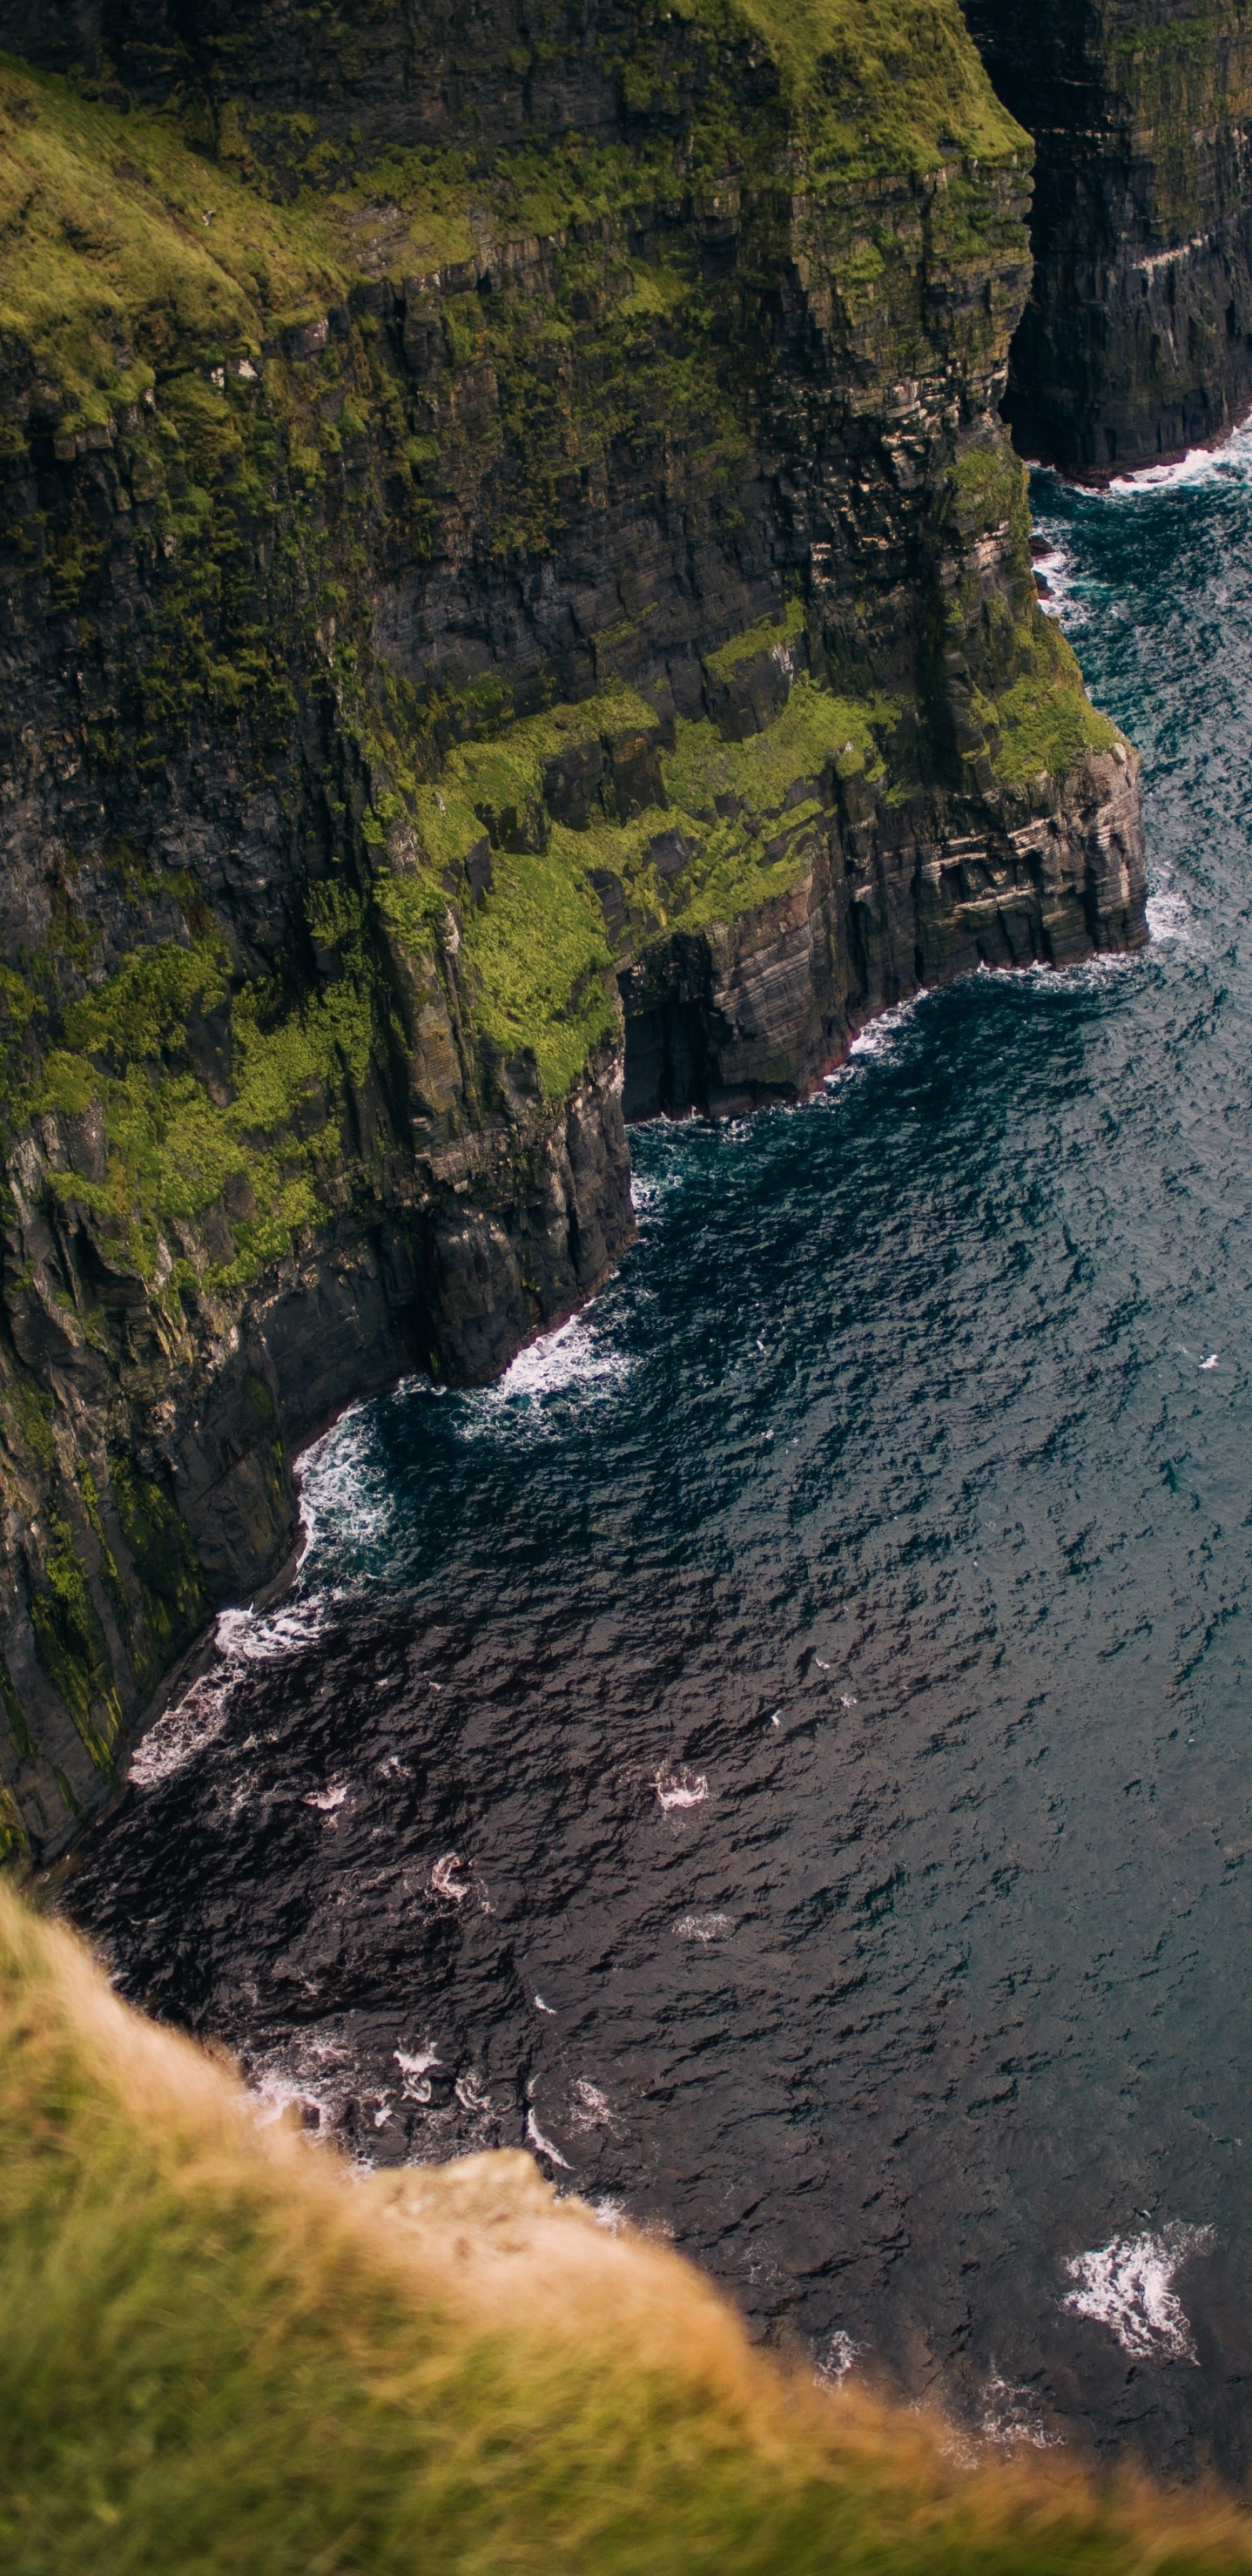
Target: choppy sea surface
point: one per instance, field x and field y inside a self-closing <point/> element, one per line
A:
<point x="785" y="1754"/>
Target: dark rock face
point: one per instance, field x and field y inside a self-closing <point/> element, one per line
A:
<point x="204" y="1513"/>
<point x="468" y="675"/>
<point x="758" y="1012"/>
<point x="1137" y="339"/>
<point x="394" y="74"/>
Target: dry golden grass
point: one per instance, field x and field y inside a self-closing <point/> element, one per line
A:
<point x="224" y="2351"/>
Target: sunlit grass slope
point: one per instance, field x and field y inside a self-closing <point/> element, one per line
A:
<point x="223" y="2352"/>
<point x="127" y="253"/>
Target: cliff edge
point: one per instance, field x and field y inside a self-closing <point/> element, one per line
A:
<point x="517" y="611"/>
<point x="227" y="2350"/>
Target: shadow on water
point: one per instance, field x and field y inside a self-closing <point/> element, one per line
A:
<point x="784" y="1753"/>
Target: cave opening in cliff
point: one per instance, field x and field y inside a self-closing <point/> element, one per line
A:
<point x="665" y="1070"/>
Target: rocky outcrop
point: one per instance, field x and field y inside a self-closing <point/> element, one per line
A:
<point x="514" y="587"/>
<point x="756" y="1011"/>
<point x="1136" y="341"/>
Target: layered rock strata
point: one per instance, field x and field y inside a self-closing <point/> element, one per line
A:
<point x="515" y="592"/>
<point x="1136" y="341"/>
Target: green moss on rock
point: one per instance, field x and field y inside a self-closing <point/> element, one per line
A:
<point x="538" y="952"/>
<point x="767" y="636"/>
<point x="14" y="1839"/>
<point x="166" y="1566"/>
<point x="72" y="1645"/>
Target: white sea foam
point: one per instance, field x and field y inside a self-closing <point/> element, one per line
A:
<point x="839" y="2357"/>
<point x="543" y="2146"/>
<point x="649" y="1192"/>
<point x="242" y="1637"/>
<point x="680" y="1788"/>
<point x="1058" y="572"/>
<point x="269" y="1636"/>
<point x="1072" y="599"/>
<point x="274" y="2096"/>
<point x="1128" y="2286"/>
<point x="1169" y="914"/>
<point x="418" y="2064"/>
<point x="589" y="2107"/>
<point x="347" y="1506"/>
<point x="1230" y="462"/>
<point x="1087" y="976"/>
<point x="573" y="1355"/>
<point x="183" y="1731"/>
<point x="346" y="1510"/>
<point x="313" y="2071"/>
<point x="1011" y="2416"/>
<point x="444" y="1881"/>
<point x="329" y="1801"/>
<point x="416" y="2069"/>
<point x="879" y="1036"/>
<point x="703" y="1927"/>
<point x="574" y="1361"/>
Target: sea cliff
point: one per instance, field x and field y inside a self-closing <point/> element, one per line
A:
<point x="517" y="612"/>
<point x="1137" y="338"/>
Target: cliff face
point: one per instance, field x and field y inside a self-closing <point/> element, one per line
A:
<point x="1136" y="341"/>
<point x="514" y="588"/>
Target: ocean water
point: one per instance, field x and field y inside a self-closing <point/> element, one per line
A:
<point x="785" y="1754"/>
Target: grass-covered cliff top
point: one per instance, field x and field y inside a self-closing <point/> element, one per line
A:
<point x="126" y="251"/>
<point x="224" y="2352"/>
<point x="889" y="85"/>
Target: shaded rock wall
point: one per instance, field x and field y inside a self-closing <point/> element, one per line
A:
<point x="1136" y="341"/>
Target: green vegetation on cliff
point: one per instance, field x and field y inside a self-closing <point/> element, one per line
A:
<point x="159" y="302"/>
<point x="134" y="255"/>
<point x="224" y="2352"/>
<point x="448" y="585"/>
<point x="666" y="839"/>
<point x="172" y="1150"/>
<point x="883" y="86"/>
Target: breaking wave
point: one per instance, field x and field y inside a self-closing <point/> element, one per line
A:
<point x="1128" y="2286"/>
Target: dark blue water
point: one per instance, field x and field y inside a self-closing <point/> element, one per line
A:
<point x="788" y="1751"/>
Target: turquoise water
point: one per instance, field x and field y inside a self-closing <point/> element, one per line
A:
<point x="786" y="1752"/>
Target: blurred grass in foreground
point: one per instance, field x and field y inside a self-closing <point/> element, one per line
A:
<point x="223" y="2351"/>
